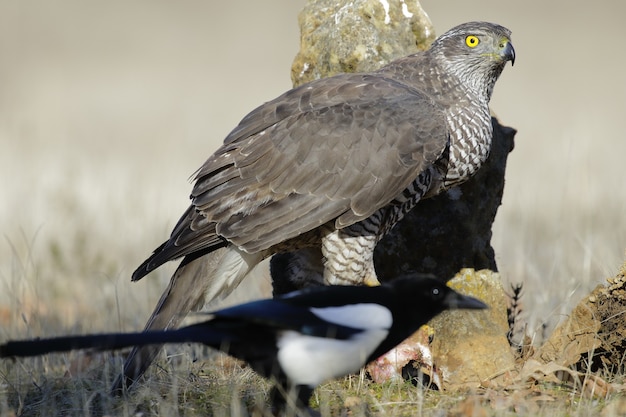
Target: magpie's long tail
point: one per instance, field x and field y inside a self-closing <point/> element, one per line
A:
<point x="198" y="333"/>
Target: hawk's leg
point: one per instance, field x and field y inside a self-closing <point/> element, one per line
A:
<point x="349" y="254"/>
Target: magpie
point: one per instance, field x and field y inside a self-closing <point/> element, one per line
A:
<point x="300" y="339"/>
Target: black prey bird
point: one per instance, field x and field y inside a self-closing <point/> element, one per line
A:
<point x="326" y="169"/>
<point x="299" y="340"/>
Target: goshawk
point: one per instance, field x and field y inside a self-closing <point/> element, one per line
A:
<point x="332" y="164"/>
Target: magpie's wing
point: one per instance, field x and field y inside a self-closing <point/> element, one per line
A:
<point x="337" y="312"/>
<point x="277" y="314"/>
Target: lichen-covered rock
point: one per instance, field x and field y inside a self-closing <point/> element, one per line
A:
<point x="470" y="347"/>
<point x="357" y="36"/>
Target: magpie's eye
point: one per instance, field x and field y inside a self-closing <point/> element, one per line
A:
<point x="437" y="293"/>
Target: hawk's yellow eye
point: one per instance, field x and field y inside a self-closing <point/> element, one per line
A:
<point x="472" y="41"/>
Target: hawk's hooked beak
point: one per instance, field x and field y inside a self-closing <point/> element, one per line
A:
<point x="508" y="52"/>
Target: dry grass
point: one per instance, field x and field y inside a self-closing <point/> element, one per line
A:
<point x="221" y="387"/>
<point x="106" y="110"/>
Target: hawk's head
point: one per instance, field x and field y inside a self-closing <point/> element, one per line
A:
<point x="475" y="52"/>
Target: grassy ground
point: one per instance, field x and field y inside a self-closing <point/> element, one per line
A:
<point x="220" y="387"/>
<point x="106" y="110"/>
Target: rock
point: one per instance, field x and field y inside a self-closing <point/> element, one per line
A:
<point x="357" y="36"/>
<point x="470" y="347"/>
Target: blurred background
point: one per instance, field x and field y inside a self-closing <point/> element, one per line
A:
<point x="107" y="109"/>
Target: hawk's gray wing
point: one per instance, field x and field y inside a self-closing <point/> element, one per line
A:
<point x="337" y="149"/>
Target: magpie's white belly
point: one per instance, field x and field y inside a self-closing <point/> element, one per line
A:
<point x="309" y="360"/>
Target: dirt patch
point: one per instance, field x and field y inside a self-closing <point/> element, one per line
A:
<point x="593" y="338"/>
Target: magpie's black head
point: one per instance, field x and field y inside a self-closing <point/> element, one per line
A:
<point x="420" y="299"/>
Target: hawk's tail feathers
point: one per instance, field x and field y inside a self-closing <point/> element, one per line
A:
<point x="194" y="284"/>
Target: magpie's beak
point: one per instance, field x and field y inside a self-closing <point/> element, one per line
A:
<point x="454" y="300"/>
